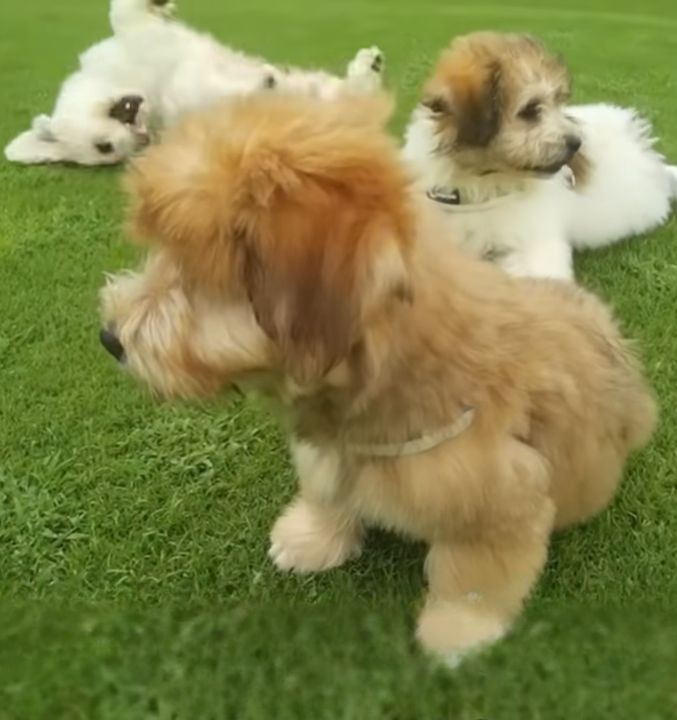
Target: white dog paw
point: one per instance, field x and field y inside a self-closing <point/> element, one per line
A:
<point x="368" y="62"/>
<point x="310" y="539"/>
<point x="365" y="72"/>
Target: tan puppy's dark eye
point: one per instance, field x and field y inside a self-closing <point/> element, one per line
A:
<point x="105" y="148"/>
<point x="531" y="112"/>
<point x="437" y="105"/>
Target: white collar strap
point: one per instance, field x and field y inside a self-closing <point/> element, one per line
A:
<point x="423" y="444"/>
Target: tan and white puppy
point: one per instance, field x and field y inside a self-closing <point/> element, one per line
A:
<point x="522" y="176"/>
<point x="424" y="391"/>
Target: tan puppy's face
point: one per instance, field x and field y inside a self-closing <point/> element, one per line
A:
<point x="499" y="102"/>
<point x="279" y="230"/>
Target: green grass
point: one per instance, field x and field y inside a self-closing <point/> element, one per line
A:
<point x="134" y="581"/>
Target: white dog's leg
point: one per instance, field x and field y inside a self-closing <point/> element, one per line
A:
<point x="365" y="71"/>
<point x="126" y="14"/>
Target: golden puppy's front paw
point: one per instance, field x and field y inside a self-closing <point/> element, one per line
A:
<point x="453" y="630"/>
<point x="308" y="538"/>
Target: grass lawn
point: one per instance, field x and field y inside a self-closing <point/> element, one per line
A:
<point x="134" y="581"/>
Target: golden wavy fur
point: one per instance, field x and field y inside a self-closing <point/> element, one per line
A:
<point x="290" y="252"/>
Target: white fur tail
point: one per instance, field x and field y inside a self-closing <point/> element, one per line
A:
<point x="126" y="14"/>
<point x="672" y="171"/>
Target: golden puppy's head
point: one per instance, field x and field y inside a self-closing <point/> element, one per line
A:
<point x="279" y="228"/>
<point x="499" y="103"/>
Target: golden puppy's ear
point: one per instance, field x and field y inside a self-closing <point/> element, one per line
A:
<point x="314" y="287"/>
<point x="303" y="301"/>
<point x="467" y="95"/>
<point x="324" y="226"/>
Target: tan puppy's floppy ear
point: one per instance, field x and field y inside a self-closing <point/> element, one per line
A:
<point x="466" y="90"/>
<point x="469" y="96"/>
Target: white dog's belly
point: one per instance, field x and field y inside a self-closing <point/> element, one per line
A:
<point x="182" y="93"/>
<point x="185" y="71"/>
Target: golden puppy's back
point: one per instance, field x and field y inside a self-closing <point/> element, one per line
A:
<point x="616" y="356"/>
<point x="544" y="359"/>
<point x="591" y="405"/>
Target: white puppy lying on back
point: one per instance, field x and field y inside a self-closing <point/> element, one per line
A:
<point x="522" y="177"/>
<point x="149" y="73"/>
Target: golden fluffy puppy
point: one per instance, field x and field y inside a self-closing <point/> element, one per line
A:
<point x="424" y="391"/>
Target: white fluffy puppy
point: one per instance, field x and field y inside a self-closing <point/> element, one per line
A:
<point x="522" y="177"/>
<point x="151" y="71"/>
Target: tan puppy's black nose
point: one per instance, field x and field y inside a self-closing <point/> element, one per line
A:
<point x="111" y="342"/>
<point x="573" y="144"/>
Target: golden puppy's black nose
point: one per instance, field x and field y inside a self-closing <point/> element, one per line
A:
<point x="111" y="342"/>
